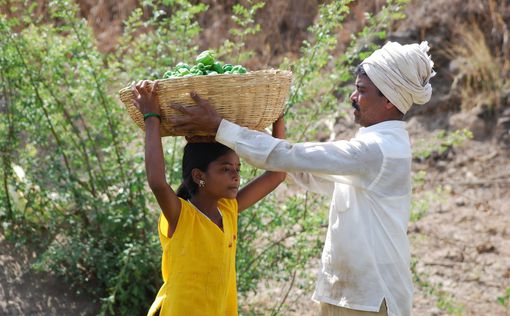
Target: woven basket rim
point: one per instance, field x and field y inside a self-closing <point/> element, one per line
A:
<point x="254" y="99"/>
<point x="258" y="73"/>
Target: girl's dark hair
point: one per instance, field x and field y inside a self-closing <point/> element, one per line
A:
<point x="197" y="155"/>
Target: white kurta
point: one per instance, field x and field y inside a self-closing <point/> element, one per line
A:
<point x="366" y="253"/>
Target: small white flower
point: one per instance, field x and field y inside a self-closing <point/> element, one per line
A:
<point x="19" y="172"/>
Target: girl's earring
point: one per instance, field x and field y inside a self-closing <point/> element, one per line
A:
<point x="201" y="183"/>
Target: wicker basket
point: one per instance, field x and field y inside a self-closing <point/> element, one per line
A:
<point x="254" y="100"/>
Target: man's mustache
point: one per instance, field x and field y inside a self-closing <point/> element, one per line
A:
<point x="355" y="105"/>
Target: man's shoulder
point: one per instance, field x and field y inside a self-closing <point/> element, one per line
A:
<point x="392" y="142"/>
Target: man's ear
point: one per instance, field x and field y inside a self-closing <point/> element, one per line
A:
<point x="388" y="105"/>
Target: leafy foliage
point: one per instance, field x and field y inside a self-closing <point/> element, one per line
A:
<point x="505" y="298"/>
<point x="77" y="192"/>
<point x="244" y="18"/>
<point x="443" y="142"/>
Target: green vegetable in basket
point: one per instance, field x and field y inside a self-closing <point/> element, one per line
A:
<point x="205" y="65"/>
<point x="218" y="67"/>
<point x="206" y="57"/>
<point x="169" y="74"/>
<point x="183" y="71"/>
<point x="195" y="71"/>
<point x="227" y="67"/>
<point x="238" y="69"/>
<point x="182" y="65"/>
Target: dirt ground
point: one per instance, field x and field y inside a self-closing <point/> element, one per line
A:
<point x="462" y="244"/>
<point x="26" y="292"/>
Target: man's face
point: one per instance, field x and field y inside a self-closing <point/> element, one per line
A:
<point x="368" y="103"/>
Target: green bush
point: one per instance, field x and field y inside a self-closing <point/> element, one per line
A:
<point x="69" y="183"/>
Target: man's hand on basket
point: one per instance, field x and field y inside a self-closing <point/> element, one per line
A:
<point x="202" y="117"/>
<point x="145" y="96"/>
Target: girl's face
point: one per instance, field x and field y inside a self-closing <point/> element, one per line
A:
<point x="222" y="176"/>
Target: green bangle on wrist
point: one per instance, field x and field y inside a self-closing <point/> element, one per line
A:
<point x="150" y="114"/>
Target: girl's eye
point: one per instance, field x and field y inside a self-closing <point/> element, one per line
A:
<point x="230" y="169"/>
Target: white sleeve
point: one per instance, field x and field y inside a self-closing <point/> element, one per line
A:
<point x="346" y="158"/>
<point x="314" y="183"/>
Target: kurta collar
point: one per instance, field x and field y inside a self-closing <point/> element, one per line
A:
<point x="394" y="124"/>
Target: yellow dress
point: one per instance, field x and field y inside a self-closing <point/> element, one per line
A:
<point x="198" y="264"/>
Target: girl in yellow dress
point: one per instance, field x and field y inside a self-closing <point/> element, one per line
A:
<point x="198" y="225"/>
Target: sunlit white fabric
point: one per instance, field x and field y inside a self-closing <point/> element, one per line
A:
<point x="366" y="253"/>
<point x="402" y="73"/>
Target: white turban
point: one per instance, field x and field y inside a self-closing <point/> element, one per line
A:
<point x="401" y="73"/>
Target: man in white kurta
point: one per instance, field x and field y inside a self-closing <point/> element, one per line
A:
<point x="365" y="268"/>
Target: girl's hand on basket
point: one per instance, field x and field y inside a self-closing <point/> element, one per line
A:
<point x="202" y="117"/>
<point x="279" y="128"/>
<point x="145" y="96"/>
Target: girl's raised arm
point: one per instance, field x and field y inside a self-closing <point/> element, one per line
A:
<point x="145" y="100"/>
<point x="267" y="182"/>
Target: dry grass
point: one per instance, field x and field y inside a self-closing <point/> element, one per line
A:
<point x="479" y="75"/>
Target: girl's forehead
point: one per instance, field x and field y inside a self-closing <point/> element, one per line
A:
<point x="229" y="157"/>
